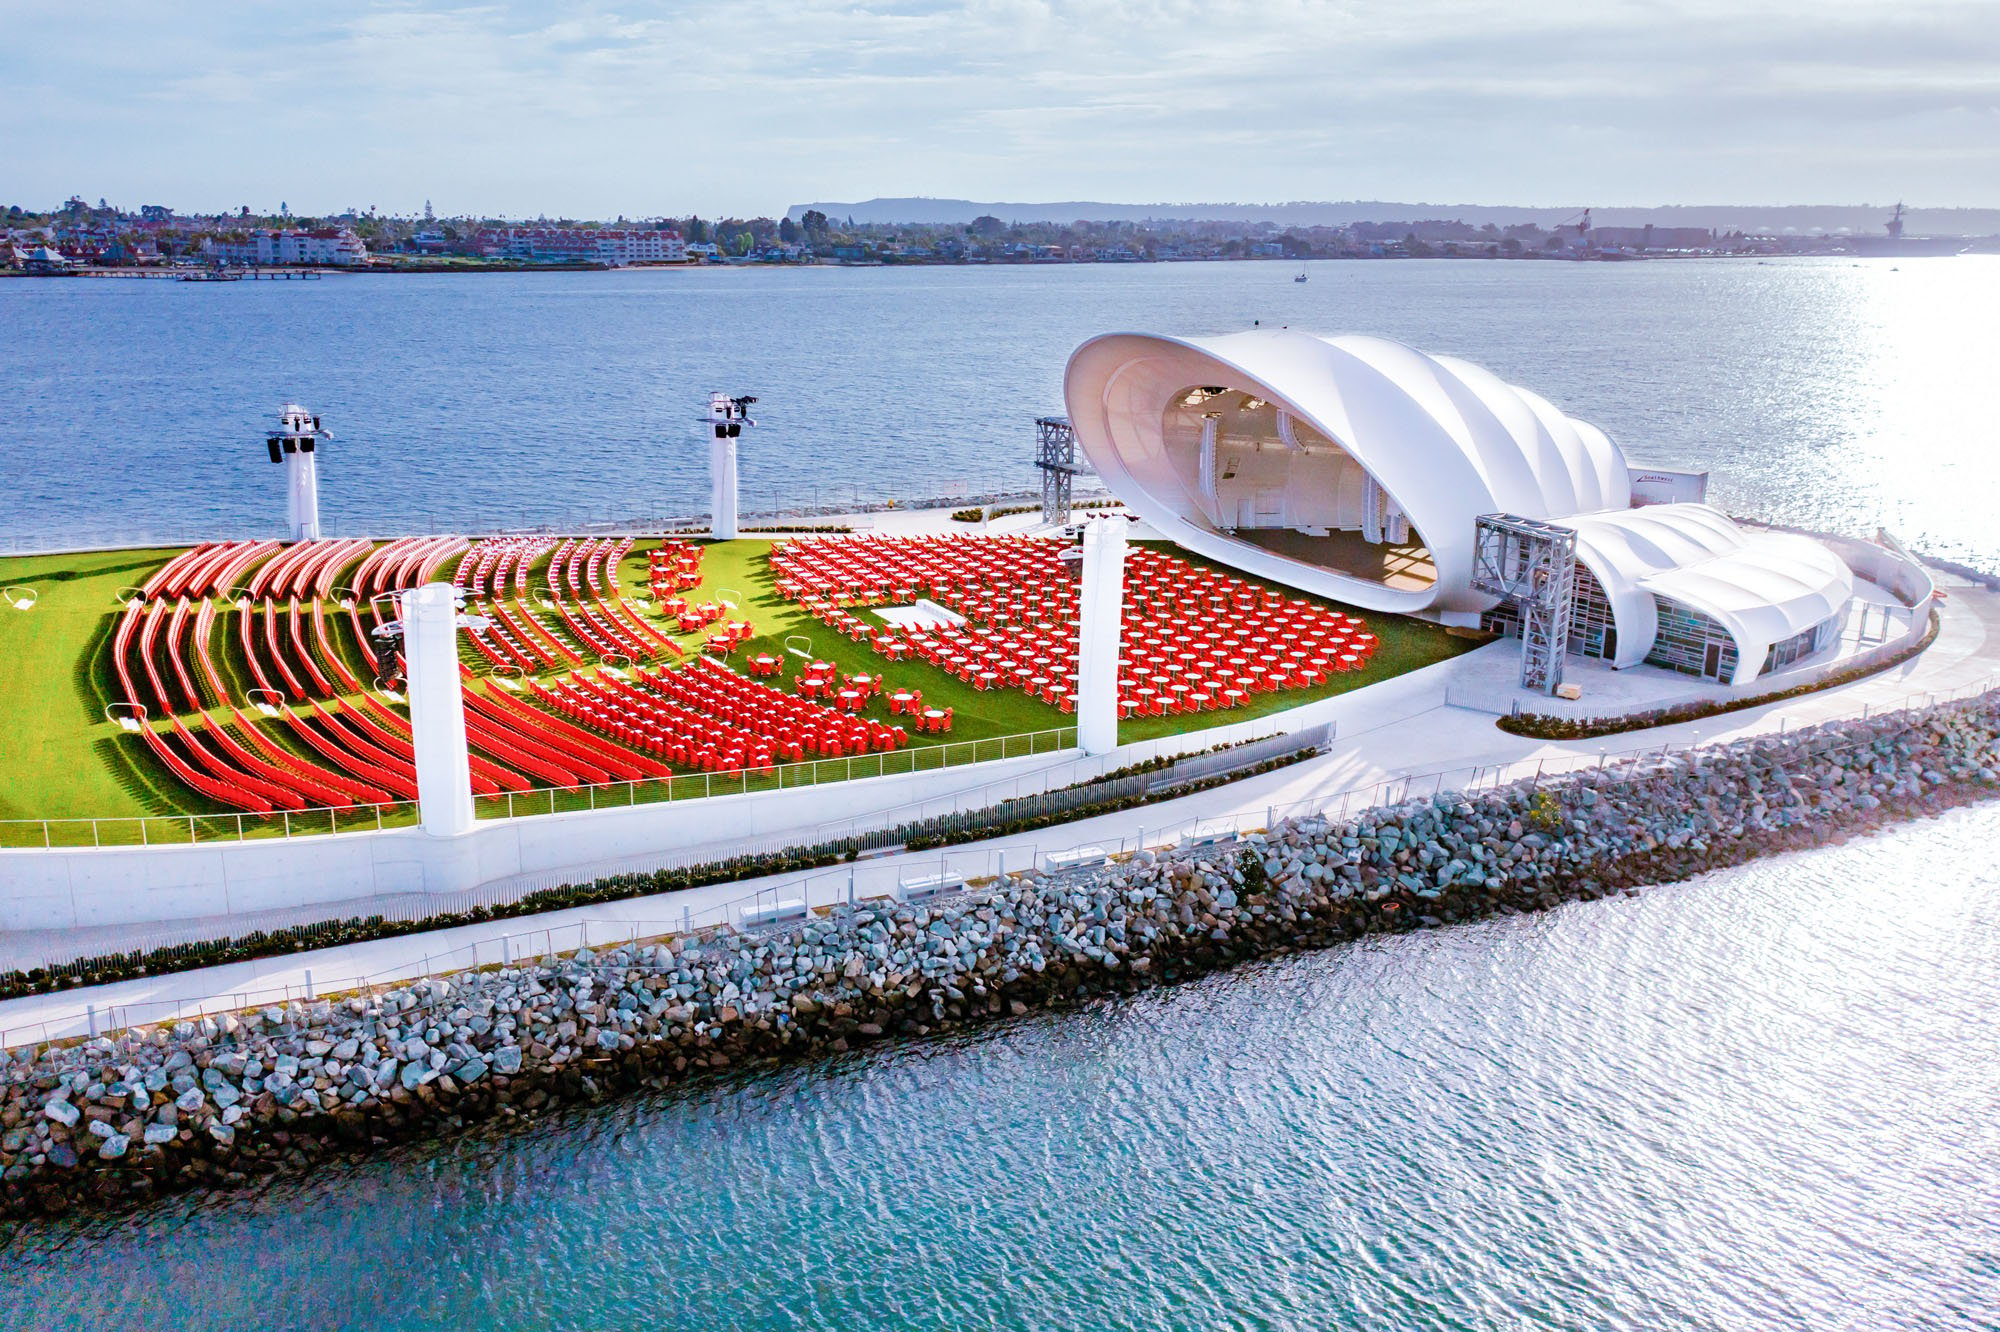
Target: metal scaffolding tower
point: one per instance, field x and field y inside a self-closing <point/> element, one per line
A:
<point x="1533" y="565"/>
<point x="1055" y="454"/>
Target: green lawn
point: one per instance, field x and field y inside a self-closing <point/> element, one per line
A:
<point x="60" y="758"/>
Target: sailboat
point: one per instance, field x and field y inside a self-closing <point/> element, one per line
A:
<point x="1302" y="276"/>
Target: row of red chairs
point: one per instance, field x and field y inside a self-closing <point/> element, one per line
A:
<point x="549" y="747"/>
<point x="305" y="568"/>
<point x="230" y="761"/>
<point x="495" y="562"/>
<point x="494" y="575"/>
<point x="209" y="569"/>
<point x="583" y="580"/>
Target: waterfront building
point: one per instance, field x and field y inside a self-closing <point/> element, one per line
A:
<point x="337" y="247"/>
<point x="45" y="262"/>
<point x="1358" y="469"/>
<point x="612" y="246"/>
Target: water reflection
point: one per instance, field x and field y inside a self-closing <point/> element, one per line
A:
<point x="1764" y="1099"/>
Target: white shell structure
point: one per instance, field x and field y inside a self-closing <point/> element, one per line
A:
<point x="1355" y="468"/>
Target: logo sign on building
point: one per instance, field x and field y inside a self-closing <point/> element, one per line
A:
<point x="1667" y="485"/>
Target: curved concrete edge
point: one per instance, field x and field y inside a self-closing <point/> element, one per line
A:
<point x="83" y="887"/>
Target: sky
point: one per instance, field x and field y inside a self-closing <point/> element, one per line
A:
<point x="747" y="106"/>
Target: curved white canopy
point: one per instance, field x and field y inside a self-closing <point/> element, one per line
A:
<point x="1763" y="587"/>
<point x="1447" y="440"/>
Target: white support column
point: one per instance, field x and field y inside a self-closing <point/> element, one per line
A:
<point x="437" y="709"/>
<point x="1103" y="610"/>
<point x="302" y="495"/>
<point x="1207" y="469"/>
<point x="722" y="477"/>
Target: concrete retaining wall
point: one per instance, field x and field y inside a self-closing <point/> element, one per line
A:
<point x="61" y="889"/>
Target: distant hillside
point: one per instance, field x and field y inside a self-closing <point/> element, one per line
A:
<point x="1809" y="219"/>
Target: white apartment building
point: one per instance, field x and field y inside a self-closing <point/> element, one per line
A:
<point x="336" y="247"/>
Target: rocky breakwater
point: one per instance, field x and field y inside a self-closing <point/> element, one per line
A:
<point x="223" y="1099"/>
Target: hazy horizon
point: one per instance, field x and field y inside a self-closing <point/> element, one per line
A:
<point x="521" y="107"/>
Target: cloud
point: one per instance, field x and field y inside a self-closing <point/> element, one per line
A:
<point x="743" y="107"/>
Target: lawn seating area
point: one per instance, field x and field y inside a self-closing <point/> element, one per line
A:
<point x="237" y="680"/>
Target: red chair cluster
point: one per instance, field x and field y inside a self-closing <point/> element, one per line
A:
<point x="707" y="716"/>
<point x="645" y="721"/>
<point x="1195" y="639"/>
<point x="673" y="566"/>
<point x="813" y="728"/>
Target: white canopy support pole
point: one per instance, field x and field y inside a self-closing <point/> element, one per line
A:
<point x="1103" y="609"/>
<point x="1371" y="509"/>
<point x="722" y="477"/>
<point x="437" y="709"/>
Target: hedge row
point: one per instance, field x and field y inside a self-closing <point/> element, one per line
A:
<point x="981" y="512"/>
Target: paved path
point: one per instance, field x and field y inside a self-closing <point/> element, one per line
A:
<point x="1443" y="746"/>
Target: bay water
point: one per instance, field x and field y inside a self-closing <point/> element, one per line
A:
<point x="1768" y="1098"/>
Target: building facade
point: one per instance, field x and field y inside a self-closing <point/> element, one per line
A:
<point x="336" y="247"/>
<point x="613" y="246"/>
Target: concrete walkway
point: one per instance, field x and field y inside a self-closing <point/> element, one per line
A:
<point x="1444" y="746"/>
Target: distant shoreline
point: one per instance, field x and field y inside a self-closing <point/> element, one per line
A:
<point x="275" y="272"/>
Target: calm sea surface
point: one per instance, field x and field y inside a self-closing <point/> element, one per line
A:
<point x="1763" y="1100"/>
<point x="1823" y="392"/>
<point x="1767" y="1099"/>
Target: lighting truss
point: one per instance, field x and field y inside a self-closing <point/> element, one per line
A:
<point x="1055" y="454"/>
<point x="1533" y="565"/>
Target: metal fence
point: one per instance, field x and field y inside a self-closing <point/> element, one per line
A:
<point x="184" y="829"/>
<point x="782" y="777"/>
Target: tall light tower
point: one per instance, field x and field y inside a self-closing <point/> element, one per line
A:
<point x="726" y="420"/>
<point x="294" y="448"/>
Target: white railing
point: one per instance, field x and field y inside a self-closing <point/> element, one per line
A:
<point x="1080" y="770"/>
<point x="785" y="500"/>
<point x="188" y="829"/>
<point x="185" y="829"/>
<point x="833" y="886"/>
